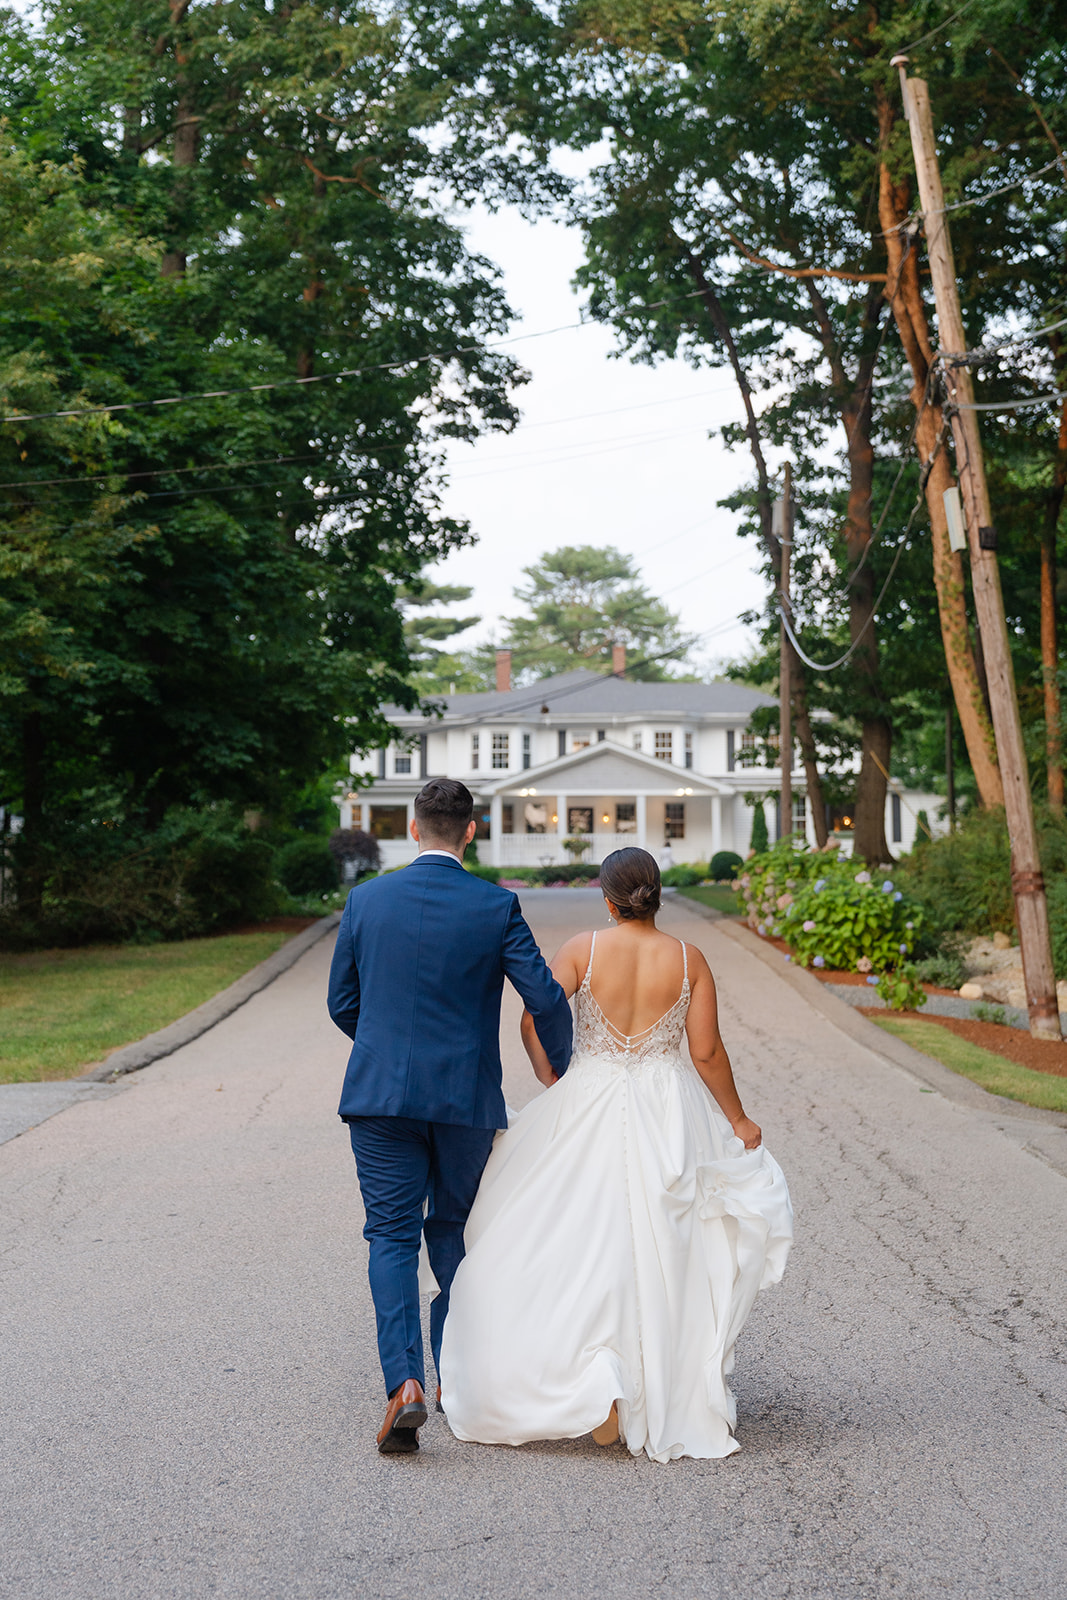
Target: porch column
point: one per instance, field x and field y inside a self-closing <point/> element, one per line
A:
<point x="716" y="823"/>
<point x="496" y="826"/>
<point x="561" y="825"/>
<point x="641" y="802"/>
<point x="364" y="815"/>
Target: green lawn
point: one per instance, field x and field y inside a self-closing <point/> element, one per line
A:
<point x="992" y="1072"/>
<point x="61" y="1010"/>
<point x="716" y="896"/>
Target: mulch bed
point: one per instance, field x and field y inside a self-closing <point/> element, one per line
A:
<point x="827" y="975"/>
<point x="1040" y="1055"/>
<point x="272" y="925"/>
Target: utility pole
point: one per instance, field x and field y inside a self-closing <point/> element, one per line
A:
<point x="783" y="528"/>
<point x="1027" y="881"/>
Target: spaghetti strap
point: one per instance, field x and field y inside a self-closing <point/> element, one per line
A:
<point x="685" y="961"/>
<point x="589" y="969"/>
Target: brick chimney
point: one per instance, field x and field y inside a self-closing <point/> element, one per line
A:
<point x="503" y="671"/>
<point x="618" y="660"/>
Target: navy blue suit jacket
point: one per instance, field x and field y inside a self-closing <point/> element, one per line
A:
<point x="416" y="980"/>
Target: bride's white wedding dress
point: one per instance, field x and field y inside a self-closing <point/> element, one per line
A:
<point x="619" y="1238"/>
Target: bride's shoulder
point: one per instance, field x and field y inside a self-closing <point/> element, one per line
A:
<point x="574" y="954"/>
<point x="697" y="962"/>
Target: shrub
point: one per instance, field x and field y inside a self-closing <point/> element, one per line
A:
<point x="831" y="913"/>
<point x="986" y="1013"/>
<point x="356" y="850"/>
<point x="901" y="990"/>
<point x="490" y="874"/>
<point x="198" y="872"/>
<point x="306" y="866"/>
<point x="683" y="877"/>
<point x="758" y="841"/>
<point x="963" y="879"/>
<point x="724" y="864"/>
<point x="1057" y="916"/>
<point x="945" y="970"/>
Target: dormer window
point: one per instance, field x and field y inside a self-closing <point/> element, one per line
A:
<point x="664" y="746"/>
<point x="501" y="742"/>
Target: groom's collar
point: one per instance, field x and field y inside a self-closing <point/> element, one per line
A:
<point x="439" y="855"/>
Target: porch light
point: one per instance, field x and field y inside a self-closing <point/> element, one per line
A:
<point x="683" y="791"/>
<point x="527" y="792"/>
<point x="555" y="818"/>
<point x="605" y="818"/>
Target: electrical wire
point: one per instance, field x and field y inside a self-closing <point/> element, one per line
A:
<point x="955" y="17"/>
<point x="832" y="666"/>
<point x="1013" y="405"/>
<point x="334" y="377"/>
<point x="975" y="200"/>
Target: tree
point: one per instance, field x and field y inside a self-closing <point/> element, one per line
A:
<point x="275" y="188"/>
<point x="736" y="220"/>
<point x="580" y="602"/>
<point x="437" y="671"/>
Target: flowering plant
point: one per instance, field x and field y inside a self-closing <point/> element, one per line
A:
<point x="835" y="915"/>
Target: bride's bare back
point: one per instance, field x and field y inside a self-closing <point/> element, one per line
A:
<point x="637" y="977"/>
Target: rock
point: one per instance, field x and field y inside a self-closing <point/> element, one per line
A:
<point x="971" y="991"/>
<point x="1001" y="941"/>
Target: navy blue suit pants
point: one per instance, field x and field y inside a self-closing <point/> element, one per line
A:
<point x="415" y="1177"/>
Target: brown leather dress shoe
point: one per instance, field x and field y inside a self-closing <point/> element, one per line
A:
<point x="404" y="1415"/>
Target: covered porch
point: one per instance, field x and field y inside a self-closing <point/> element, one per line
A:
<point x="610" y="798"/>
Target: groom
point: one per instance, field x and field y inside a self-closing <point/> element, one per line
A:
<point x="416" y="980"/>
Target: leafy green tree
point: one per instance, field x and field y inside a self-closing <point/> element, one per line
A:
<point x="275" y="184"/>
<point x="758" y="168"/>
<point x="580" y="602"/>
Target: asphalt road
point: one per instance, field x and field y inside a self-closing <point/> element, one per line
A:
<point x="190" y="1391"/>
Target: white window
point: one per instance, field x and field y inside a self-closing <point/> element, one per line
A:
<point x="674" y="821"/>
<point x="500" y="751"/>
<point x="526" y="759"/>
<point x="402" y="763"/>
<point x="637" y="738"/>
<point x="664" y="744"/>
<point x="689" y="749"/>
<point x="626" y="817"/>
<point x="475" y="743"/>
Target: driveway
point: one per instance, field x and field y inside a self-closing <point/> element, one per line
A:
<point x="191" y="1390"/>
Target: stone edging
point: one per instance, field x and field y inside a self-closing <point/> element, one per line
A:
<point x="132" y="1057"/>
<point x="950" y="1084"/>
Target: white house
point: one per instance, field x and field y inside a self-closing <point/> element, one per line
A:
<point x="589" y="754"/>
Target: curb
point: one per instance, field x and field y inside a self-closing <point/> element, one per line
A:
<point x="950" y="1084"/>
<point x="154" y="1046"/>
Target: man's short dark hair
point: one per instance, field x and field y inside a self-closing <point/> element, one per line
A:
<point x="443" y="810"/>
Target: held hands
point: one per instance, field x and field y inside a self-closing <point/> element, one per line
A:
<point x="747" y="1131"/>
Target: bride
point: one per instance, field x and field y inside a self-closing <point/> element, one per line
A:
<point x="626" y="1220"/>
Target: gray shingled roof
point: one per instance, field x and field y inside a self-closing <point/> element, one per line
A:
<point x="586" y="694"/>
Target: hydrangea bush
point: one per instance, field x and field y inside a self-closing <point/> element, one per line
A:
<point x="831" y="913"/>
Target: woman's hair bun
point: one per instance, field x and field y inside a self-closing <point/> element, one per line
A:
<point x="630" y="880"/>
<point x="645" y="897"/>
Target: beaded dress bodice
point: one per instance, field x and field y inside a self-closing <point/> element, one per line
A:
<point x="595" y="1035"/>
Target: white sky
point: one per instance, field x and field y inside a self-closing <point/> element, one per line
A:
<point x="644" y="478"/>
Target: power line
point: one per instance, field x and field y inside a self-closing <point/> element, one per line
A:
<point x="159" y="472"/>
<point x="832" y="666"/>
<point x="1013" y="405"/>
<point x="975" y="200"/>
<point x="955" y="17"/>
<point x="335" y="377"/>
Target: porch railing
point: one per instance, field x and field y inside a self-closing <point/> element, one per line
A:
<point x="546" y="849"/>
